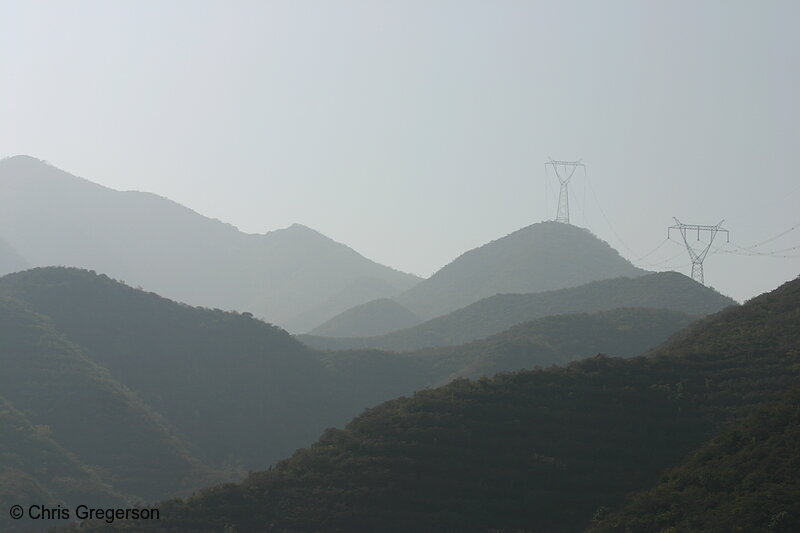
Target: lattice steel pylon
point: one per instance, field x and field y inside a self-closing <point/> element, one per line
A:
<point x="568" y="169"/>
<point x="696" y="256"/>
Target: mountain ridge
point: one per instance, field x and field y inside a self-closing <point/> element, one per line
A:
<point x="51" y="217"/>
<point x="541" y="256"/>
<point x="667" y="290"/>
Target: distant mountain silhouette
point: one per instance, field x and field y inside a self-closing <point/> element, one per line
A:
<point x="51" y="217"/>
<point x="361" y="290"/>
<point x="541" y="257"/>
<point x="375" y="317"/>
<point x="10" y="260"/>
<point x="665" y="290"/>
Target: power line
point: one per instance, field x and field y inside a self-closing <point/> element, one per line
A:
<point x="776" y="237"/>
<point x="597" y="201"/>
<point x="664" y="261"/>
<point x="654" y="250"/>
<point x="747" y="251"/>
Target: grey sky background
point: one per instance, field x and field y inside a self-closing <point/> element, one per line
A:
<point x="413" y="131"/>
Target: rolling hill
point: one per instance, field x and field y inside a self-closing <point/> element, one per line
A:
<point x="556" y="340"/>
<point x="539" y="450"/>
<point x="665" y="290"/>
<point x="372" y="318"/>
<point x="51" y="217"/>
<point x="541" y="257"/>
<point x="243" y="392"/>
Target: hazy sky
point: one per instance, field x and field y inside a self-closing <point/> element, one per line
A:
<point x="413" y="131"/>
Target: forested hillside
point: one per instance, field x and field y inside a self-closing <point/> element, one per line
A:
<point x="189" y="395"/>
<point x="557" y="340"/>
<point x="745" y="479"/>
<point x="77" y="403"/>
<point x="243" y="392"/>
<point x="37" y="469"/>
<point x="543" y="450"/>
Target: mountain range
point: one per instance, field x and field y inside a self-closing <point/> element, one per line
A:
<point x="536" y="382"/>
<point x="665" y="290"/>
<point x="50" y="217"/>
<point x="541" y="257"/>
<point x="294" y="277"/>
<point x="139" y="398"/>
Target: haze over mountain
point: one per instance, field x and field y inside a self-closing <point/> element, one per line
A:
<point x="541" y="257"/>
<point x="537" y="450"/>
<point x="372" y="318"/>
<point x="665" y="290"/>
<point x="51" y="217"/>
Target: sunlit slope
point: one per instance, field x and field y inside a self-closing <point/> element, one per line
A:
<point x="534" y="450"/>
<point x="54" y="218"/>
<point x="665" y="290"/>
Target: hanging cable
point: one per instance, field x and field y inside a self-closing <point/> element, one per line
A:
<point x="776" y="237"/>
<point x="654" y="250"/>
<point x="594" y="193"/>
<point x="663" y="262"/>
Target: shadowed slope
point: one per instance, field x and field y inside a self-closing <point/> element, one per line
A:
<point x="89" y="413"/>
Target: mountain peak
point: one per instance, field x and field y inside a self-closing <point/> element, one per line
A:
<point x="540" y="257"/>
<point x="22" y="159"/>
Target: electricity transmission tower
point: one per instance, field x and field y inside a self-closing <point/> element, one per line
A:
<point x="568" y="168"/>
<point x="698" y="255"/>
